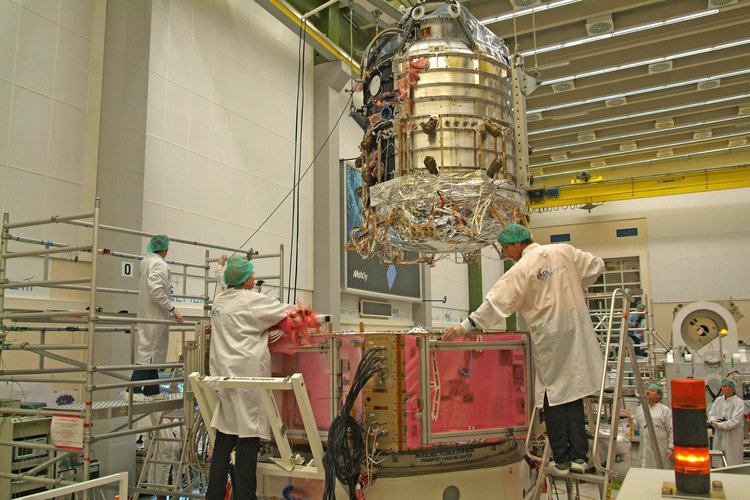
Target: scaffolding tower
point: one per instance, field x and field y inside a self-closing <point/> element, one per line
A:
<point x="91" y="322"/>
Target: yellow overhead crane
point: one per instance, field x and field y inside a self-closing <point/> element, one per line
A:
<point x="694" y="181"/>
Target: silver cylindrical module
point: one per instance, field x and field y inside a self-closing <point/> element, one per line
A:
<point x="438" y="160"/>
<point x="463" y="89"/>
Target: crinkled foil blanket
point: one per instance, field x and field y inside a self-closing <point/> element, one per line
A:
<point x="454" y="212"/>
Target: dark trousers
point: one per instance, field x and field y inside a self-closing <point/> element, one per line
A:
<point x="636" y="340"/>
<point x="566" y="431"/>
<point x="245" y="463"/>
<point x="148" y="390"/>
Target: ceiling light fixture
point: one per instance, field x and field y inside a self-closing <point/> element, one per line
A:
<point x="647" y="62"/>
<point x="643" y="113"/>
<point x="523" y="12"/>
<point x="626" y="31"/>
<point x="641" y="162"/>
<point x="642" y="91"/>
<point x="582" y="141"/>
<point x="631" y="146"/>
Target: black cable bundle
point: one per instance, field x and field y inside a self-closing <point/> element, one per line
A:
<point x="346" y="438"/>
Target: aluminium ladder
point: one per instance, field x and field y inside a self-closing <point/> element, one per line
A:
<point x="603" y="474"/>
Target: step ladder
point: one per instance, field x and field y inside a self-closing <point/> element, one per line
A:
<point x="598" y="406"/>
<point x="160" y="458"/>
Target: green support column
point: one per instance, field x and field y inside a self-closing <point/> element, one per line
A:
<point x="475" y="284"/>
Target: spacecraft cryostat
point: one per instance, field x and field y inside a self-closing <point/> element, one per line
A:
<point x="439" y="158"/>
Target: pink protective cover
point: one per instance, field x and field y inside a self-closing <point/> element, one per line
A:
<point x="490" y="393"/>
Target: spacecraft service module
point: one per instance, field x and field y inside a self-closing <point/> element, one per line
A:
<point x="442" y="161"/>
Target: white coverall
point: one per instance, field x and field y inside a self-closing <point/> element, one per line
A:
<point x="154" y="302"/>
<point x="166" y="450"/>
<point x="661" y="416"/>
<point x="728" y="434"/>
<point x="239" y="348"/>
<point x="546" y="285"/>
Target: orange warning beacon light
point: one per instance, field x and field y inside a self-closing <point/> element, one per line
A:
<point x="692" y="462"/>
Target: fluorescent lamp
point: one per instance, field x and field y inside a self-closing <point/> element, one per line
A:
<point x="651" y="160"/>
<point x="629" y="135"/>
<point x="632" y="146"/>
<point x="624" y="31"/>
<point x="644" y="113"/>
<point x="526" y="11"/>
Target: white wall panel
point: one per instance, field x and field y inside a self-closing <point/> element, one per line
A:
<point x="201" y="61"/>
<point x="159" y="43"/>
<point x="199" y="124"/>
<point x="5" y="95"/>
<point x="177" y="113"/>
<point x="157" y="96"/>
<point x="178" y="59"/>
<point x="174" y="191"/>
<point x="68" y="136"/>
<point x="46" y="8"/>
<point x="37" y="39"/>
<point x="198" y="177"/>
<point x="9" y="14"/>
<point x="72" y="69"/>
<point x="153" y="170"/>
<point x="29" y="130"/>
<point x="77" y="16"/>
<point x="240" y="97"/>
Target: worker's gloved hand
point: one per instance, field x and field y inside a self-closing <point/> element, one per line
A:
<point x="454" y="332"/>
<point x="670" y="454"/>
<point x="177" y="316"/>
<point x="223" y="259"/>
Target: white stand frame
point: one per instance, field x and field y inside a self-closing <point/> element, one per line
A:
<point x="288" y="464"/>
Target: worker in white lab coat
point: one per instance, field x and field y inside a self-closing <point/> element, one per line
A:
<point x="726" y="417"/>
<point x="546" y="285"/>
<point x="239" y="348"/>
<point x="154" y="302"/>
<point x="661" y="416"/>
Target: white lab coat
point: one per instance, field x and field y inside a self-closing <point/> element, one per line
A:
<point x="154" y="302"/>
<point x="661" y="416"/>
<point x="546" y="285"/>
<point x="239" y="348"/>
<point x="728" y="434"/>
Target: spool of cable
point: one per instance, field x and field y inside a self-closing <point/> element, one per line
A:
<point x="692" y="462"/>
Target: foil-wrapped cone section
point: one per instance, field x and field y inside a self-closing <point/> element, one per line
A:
<point x="452" y="212"/>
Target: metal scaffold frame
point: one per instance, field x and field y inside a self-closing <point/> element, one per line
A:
<point x="91" y="321"/>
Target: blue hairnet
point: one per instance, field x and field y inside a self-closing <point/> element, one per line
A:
<point x="731" y="383"/>
<point x="237" y="271"/>
<point x="657" y="389"/>
<point x="158" y="243"/>
<point x="513" y="233"/>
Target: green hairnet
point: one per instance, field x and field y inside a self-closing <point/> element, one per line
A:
<point x="235" y="257"/>
<point x="731" y="383"/>
<point x="158" y="243"/>
<point x="657" y="389"/>
<point x="237" y="271"/>
<point x="513" y="233"/>
<point x="640" y="304"/>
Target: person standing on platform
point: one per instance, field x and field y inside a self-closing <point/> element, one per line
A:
<point x="546" y="286"/>
<point x="154" y="302"/>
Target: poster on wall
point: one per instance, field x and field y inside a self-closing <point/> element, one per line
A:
<point x="26" y="269"/>
<point x="370" y="276"/>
